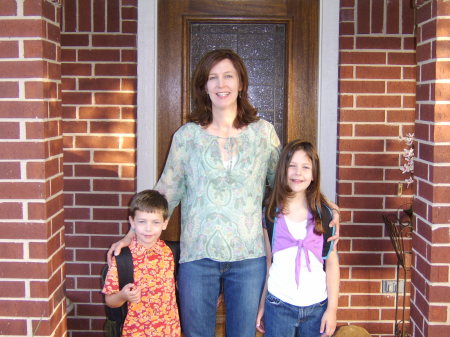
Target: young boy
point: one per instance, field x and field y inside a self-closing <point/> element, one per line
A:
<point x="152" y="307"/>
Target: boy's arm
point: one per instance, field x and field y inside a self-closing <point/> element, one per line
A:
<point x="260" y="316"/>
<point x="328" y="324"/>
<point x="129" y="293"/>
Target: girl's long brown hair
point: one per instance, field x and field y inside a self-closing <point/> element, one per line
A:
<point x="202" y="107"/>
<point x="278" y="199"/>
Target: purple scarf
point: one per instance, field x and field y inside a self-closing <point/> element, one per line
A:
<point x="311" y="243"/>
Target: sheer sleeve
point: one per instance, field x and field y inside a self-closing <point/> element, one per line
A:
<point x="172" y="181"/>
<point x="274" y="148"/>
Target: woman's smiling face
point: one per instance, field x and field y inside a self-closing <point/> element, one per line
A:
<point x="223" y="85"/>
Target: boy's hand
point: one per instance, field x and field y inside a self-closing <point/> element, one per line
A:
<point x="131" y="293"/>
<point x="328" y="323"/>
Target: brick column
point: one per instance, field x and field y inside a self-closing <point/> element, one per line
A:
<point x="377" y="100"/>
<point x="32" y="300"/>
<point x="430" y="297"/>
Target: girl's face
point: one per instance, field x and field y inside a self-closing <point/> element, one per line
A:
<point x="223" y="85"/>
<point x="299" y="172"/>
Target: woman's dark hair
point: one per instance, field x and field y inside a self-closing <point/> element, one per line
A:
<point x="281" y="190"/>
<point x="202" y="108"/>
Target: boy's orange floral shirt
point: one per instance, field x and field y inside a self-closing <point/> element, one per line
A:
<point x="156" y="314"/>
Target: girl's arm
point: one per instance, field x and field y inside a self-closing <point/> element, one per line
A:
<point x="328" y="324"/>
<point x="260" y="316"/>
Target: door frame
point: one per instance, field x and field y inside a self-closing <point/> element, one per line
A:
<point x="146" y="130"/>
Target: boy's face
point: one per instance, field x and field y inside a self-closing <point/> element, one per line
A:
<point x="148" y="227"/>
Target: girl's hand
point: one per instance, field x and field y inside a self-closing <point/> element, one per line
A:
<point x="116" y="247"/>
<point x="328" y="323"/>
<point x="131" y="293"/>
<point x="260" y="321"/>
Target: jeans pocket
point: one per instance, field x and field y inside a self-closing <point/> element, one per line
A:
<point x="323" y="303"/>
<point x="270" y="299"/>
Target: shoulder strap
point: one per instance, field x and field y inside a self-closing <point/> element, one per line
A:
<point x="327" y="216"/>
<point x="175" y="248"/>
<point x="125" y="267"/>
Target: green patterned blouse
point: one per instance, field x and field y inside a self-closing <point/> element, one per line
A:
<point x="220" y="183"/>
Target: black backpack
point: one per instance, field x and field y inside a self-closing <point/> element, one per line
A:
<point x="115" y="317"/>
<point x="326" y="217"/>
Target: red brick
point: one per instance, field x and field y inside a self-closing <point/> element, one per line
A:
<point x="76" y="69"/>
<point x="99" y="113"/>
<point x="96" y="199"/>
<point x="376" y="301"/>
<point x="377" y="16"/>
<point x="388" y="43"/>
<point x="9" y="89"/>
<point x="22" y="28"/>
<point x="400" y="116"/>
<point x="363" y="15"/>
<point x="13" y="327"/>
<point x="114" y="157"/>
<point x="128" y="55"/>
<point x="75" y="40"/>
<point x="115" y="98"/>
<point x="36" y="90"/>
<point x="372" y="273"/>
<point x="403" y="87"/>
<point x="72" y="185"/>
<point x="96" y="170"/>
<point x="96" y="142"/>
<point x="12" y="289"/>
<point x="74" y="127"/>
<point x="362" y="86"/>
<point x="361" y="202"/>
<point x="23" y="270"/>
<point x="40" y="49"/>
<point x="378" y="72"/>
<point x="77" y="213"/>
<point x="99" y="84"/>
<point x="99" y="16"/>
<point x="23" y="69"/>
<point x="114" y="40"/>
<point x="101" y="228"/>
<point x="376" y="130"/>
<point x="364" y="145"/>
<point x="77" y="98"/>
<point x="113" y="127"/>
<point x="377" y="101"/>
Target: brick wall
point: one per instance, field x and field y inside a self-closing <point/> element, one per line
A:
<point x="377" y="107"/>
<point x="431" y="242"/>
<point x="31" y="180"/>
<point x="99" y="115"/>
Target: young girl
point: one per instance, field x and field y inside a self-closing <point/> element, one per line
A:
<point x="300" y="297"/>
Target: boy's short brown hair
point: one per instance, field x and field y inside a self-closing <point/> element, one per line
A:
<point x="150" y="201"/>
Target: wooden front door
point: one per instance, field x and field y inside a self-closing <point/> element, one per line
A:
<point x="181" y="24"/>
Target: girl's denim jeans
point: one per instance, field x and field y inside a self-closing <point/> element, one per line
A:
<point x="286" y="320"/>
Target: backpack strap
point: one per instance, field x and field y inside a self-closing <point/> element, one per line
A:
<point x="327" y="216"/>
<point x="125" y="267"/>
<point x="175" y="248"/>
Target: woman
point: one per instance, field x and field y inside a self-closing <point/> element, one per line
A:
<point x="217" y="168"/>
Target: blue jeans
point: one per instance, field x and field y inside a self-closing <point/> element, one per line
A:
<point x="286" y="320"/>
<point x="199" y="285"/>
